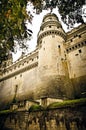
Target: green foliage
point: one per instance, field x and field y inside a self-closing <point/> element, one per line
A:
<point x="35" y="108"/>
<point x="70" y="14"/>
<point x="5" y="112"/>
<point x="67" y="103"/>
<point x="12" y="25"/>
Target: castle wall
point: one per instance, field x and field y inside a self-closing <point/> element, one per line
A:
<point x="6" y="90"/>
<point x="77" y="62"/>
<point x="76" y="59"/>
<point x="24" y="82"/>
<point x="77" y="70"/>
<point x="19" y="79"/>
<point x="55" y="69"/>
<point x="21" y="86"/>
<point x="30" y="83"/>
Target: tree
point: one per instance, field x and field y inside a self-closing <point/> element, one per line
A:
<point x="13" y="17"/>
<point x="70" y="10"/>
<point x="12" y="25"/>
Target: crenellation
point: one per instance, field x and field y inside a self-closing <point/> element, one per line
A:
<point x="16" y="67"/>
<point x="23" y="61"/>
<point x="12" y="74"/>
<point x="81" y="27"/>
<point x="75" y="46"/>
<point x="51" y="32"/>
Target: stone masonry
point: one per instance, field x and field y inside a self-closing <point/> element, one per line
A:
<point x="56" y="68"/>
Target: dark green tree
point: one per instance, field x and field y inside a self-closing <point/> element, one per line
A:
<point x="12" y="25"/>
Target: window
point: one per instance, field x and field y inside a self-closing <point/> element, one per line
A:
<point x="71" y="40"/>
<point x="67" y="50"/>
<point x="80" y="51"/>
<point x="79" y="36"/>
<point x="76" y="46"/>
<point x="58" y="46"/>
<point x="75" y="35"/>
<point x="40" y="41"/>
<point x="79" y="45"/>
<point x="65" y="55"/>
<point x="50" y="18"/>
<point x="82" y="43"/>
<point x="76" y="54"/>
<point x="49" y="26"/>
<point x="55" y="32"/>
<point x="85" y="43"/>
<point x="72" y="47"/>
<point x="37" y="57"/>
<point x="16" y="88"/>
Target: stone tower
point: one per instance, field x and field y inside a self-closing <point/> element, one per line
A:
<point x="52" y="61"/>
<point x="55" y="69"/>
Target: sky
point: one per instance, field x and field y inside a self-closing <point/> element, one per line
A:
<point x="35" y="27"/>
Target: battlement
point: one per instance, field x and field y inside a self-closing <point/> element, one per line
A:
<point x="22" y="64"/>
<point x="76" y="32"/>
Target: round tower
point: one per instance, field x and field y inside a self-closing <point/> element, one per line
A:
<point x="51" y="67"/>
<point x="50" y="42"/>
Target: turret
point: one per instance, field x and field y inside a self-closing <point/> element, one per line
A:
<point x="52" y="65"/>
<point x="51" y="39"/>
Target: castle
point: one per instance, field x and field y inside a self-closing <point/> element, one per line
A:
<point x="56" y="68"/>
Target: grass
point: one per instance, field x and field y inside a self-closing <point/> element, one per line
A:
<point x="35" y="108"/>
<point x="67" y="103"/>
<point x="64" y="104"/>
<point x="5" y="112"/>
